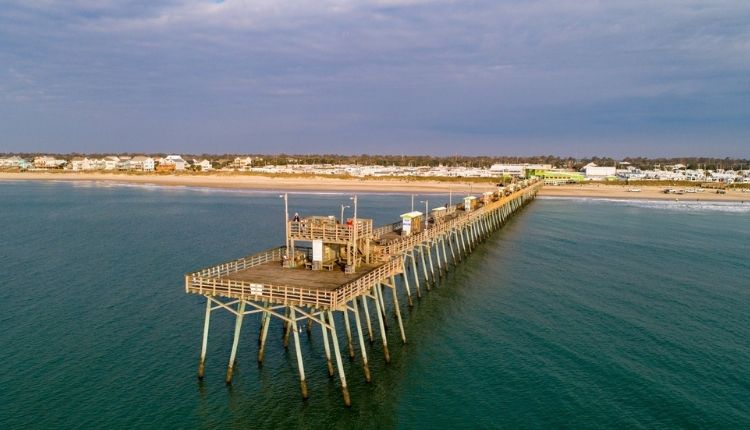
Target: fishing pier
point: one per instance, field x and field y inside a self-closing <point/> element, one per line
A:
<point x="334" y="272"/>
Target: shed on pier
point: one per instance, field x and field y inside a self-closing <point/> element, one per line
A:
<point x="412" y="223"/>
<point x="470" y="203"/>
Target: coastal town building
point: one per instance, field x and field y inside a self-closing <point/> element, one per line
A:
<point x="46" y="162"/>
<point x="15" y="162"/>
<point x="517" y="170"/>
<point x="174" y="160"/>
<point x="203" y="166"/>
<point x="598" y="173"/>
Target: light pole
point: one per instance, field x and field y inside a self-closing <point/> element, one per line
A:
<point x="426" y="212"/>
<point x="412" y="202"/>
<point x="342" y="212"/>
<point x="450" y="195"/>
<point x="285" y="196"/>
<point x="354" y="235"/>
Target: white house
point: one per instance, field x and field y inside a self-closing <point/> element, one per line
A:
<point x="46" y="162"/>
<point x="174" y="160"/>
<point x="243" y="163"/>
<point x="80" y="163"/>
<point x="111" y="162"/>
<point x="141" y="162"/>
<point x="204" y="165"/>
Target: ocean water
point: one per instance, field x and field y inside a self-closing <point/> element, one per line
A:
<point x="578" y="313"/>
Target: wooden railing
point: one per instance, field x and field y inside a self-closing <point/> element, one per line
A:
<point x="362" y="284"/>
<point x="259" y="292"/>
<point x="388" y="228"/>
<point x="302" y="230"/>
<point x="436" y="230"/>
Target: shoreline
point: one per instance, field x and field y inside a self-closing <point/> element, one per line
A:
<point x="317" y="184"/>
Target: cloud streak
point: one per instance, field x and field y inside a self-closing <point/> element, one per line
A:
<point x="565" y="77"/>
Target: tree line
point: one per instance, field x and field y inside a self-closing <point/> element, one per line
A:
<point x="220" y="160"/>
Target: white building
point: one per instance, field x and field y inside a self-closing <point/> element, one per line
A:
<point x="204" y="166"/>
<point x="174" y="160"/>
<point x="46" y="162"/>
<point x="595" y="172"/>
<point x="141" y="162"/>
<point x="517" y="170"/>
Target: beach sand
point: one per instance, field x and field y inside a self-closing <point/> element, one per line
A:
<point x="240" y="181"/>
<point x="645" y="193"/>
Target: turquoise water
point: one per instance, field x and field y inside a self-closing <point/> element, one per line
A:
<point x="578" y="313"/>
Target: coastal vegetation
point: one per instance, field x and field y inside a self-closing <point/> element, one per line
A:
<point x="224" y="160"/>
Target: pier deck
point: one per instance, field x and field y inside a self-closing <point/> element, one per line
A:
<point x="273" y="272"/>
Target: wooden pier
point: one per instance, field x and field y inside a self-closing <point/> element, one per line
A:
<point x="344" y="270"/>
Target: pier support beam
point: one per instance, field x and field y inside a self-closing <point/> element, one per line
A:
<point x="397" y="308"/>
<point x="386" y="354"/>
<point x="204" y="344"/>
<point x="326" y="346"/>
<point x="406" y="281"/>
<point x="348" y="328"/>
<point x="265" y="322"/>
<point x="424" y="268"/>
<point x="437" y="254"/>
<point x="432" y="267"/>
<point x="298" y="351"/>
<point x="445" y="254"/>
<point x="339" y="363"/>
<point x="414" y="272"/>
<point x="453" y="252"/>
<point x="362" y="348"/>
<point x="237" y="328"/>
<point x="405" y="278"/>
<point x="366" y="307"/>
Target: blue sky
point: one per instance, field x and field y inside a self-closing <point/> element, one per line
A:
<point x="617" y="78"/>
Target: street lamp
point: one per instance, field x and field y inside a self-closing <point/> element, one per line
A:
<point x="354" y="235"/>
<point x="285" y="196"/>
<point x="342" y="212"/>
<point x="412" y="202"/>
<point x="426" y="212"/>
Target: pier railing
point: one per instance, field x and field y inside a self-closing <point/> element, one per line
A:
<point x="388" y="228"/>
<point x="362" y="284"/>
<point x="259" y="292"/>
<point x="328" y="231"/>
<point x="436" y="230"/>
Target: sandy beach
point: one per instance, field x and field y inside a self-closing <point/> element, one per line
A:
<point x="239" y="181"/>
<point x="645" y="193"/>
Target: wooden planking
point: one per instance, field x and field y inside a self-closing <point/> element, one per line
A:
<point x="274" y="273"/>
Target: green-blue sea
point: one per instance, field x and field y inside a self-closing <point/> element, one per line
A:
<point x="576" y="314"/>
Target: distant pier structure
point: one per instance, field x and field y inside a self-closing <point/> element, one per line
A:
<point x="334" y="271"/>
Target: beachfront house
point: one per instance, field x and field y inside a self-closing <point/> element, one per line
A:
<point x="242" y="163"/>
<point x="203" y="166"/>
<point x="175" y="161"/>
<point x="78" y="164"/>
<point x="47" y="162"/>
<point x="14" y="162"/>
<point x="142" y="163"/>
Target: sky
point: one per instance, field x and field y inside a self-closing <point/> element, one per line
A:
<point x="472" y="77"/>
